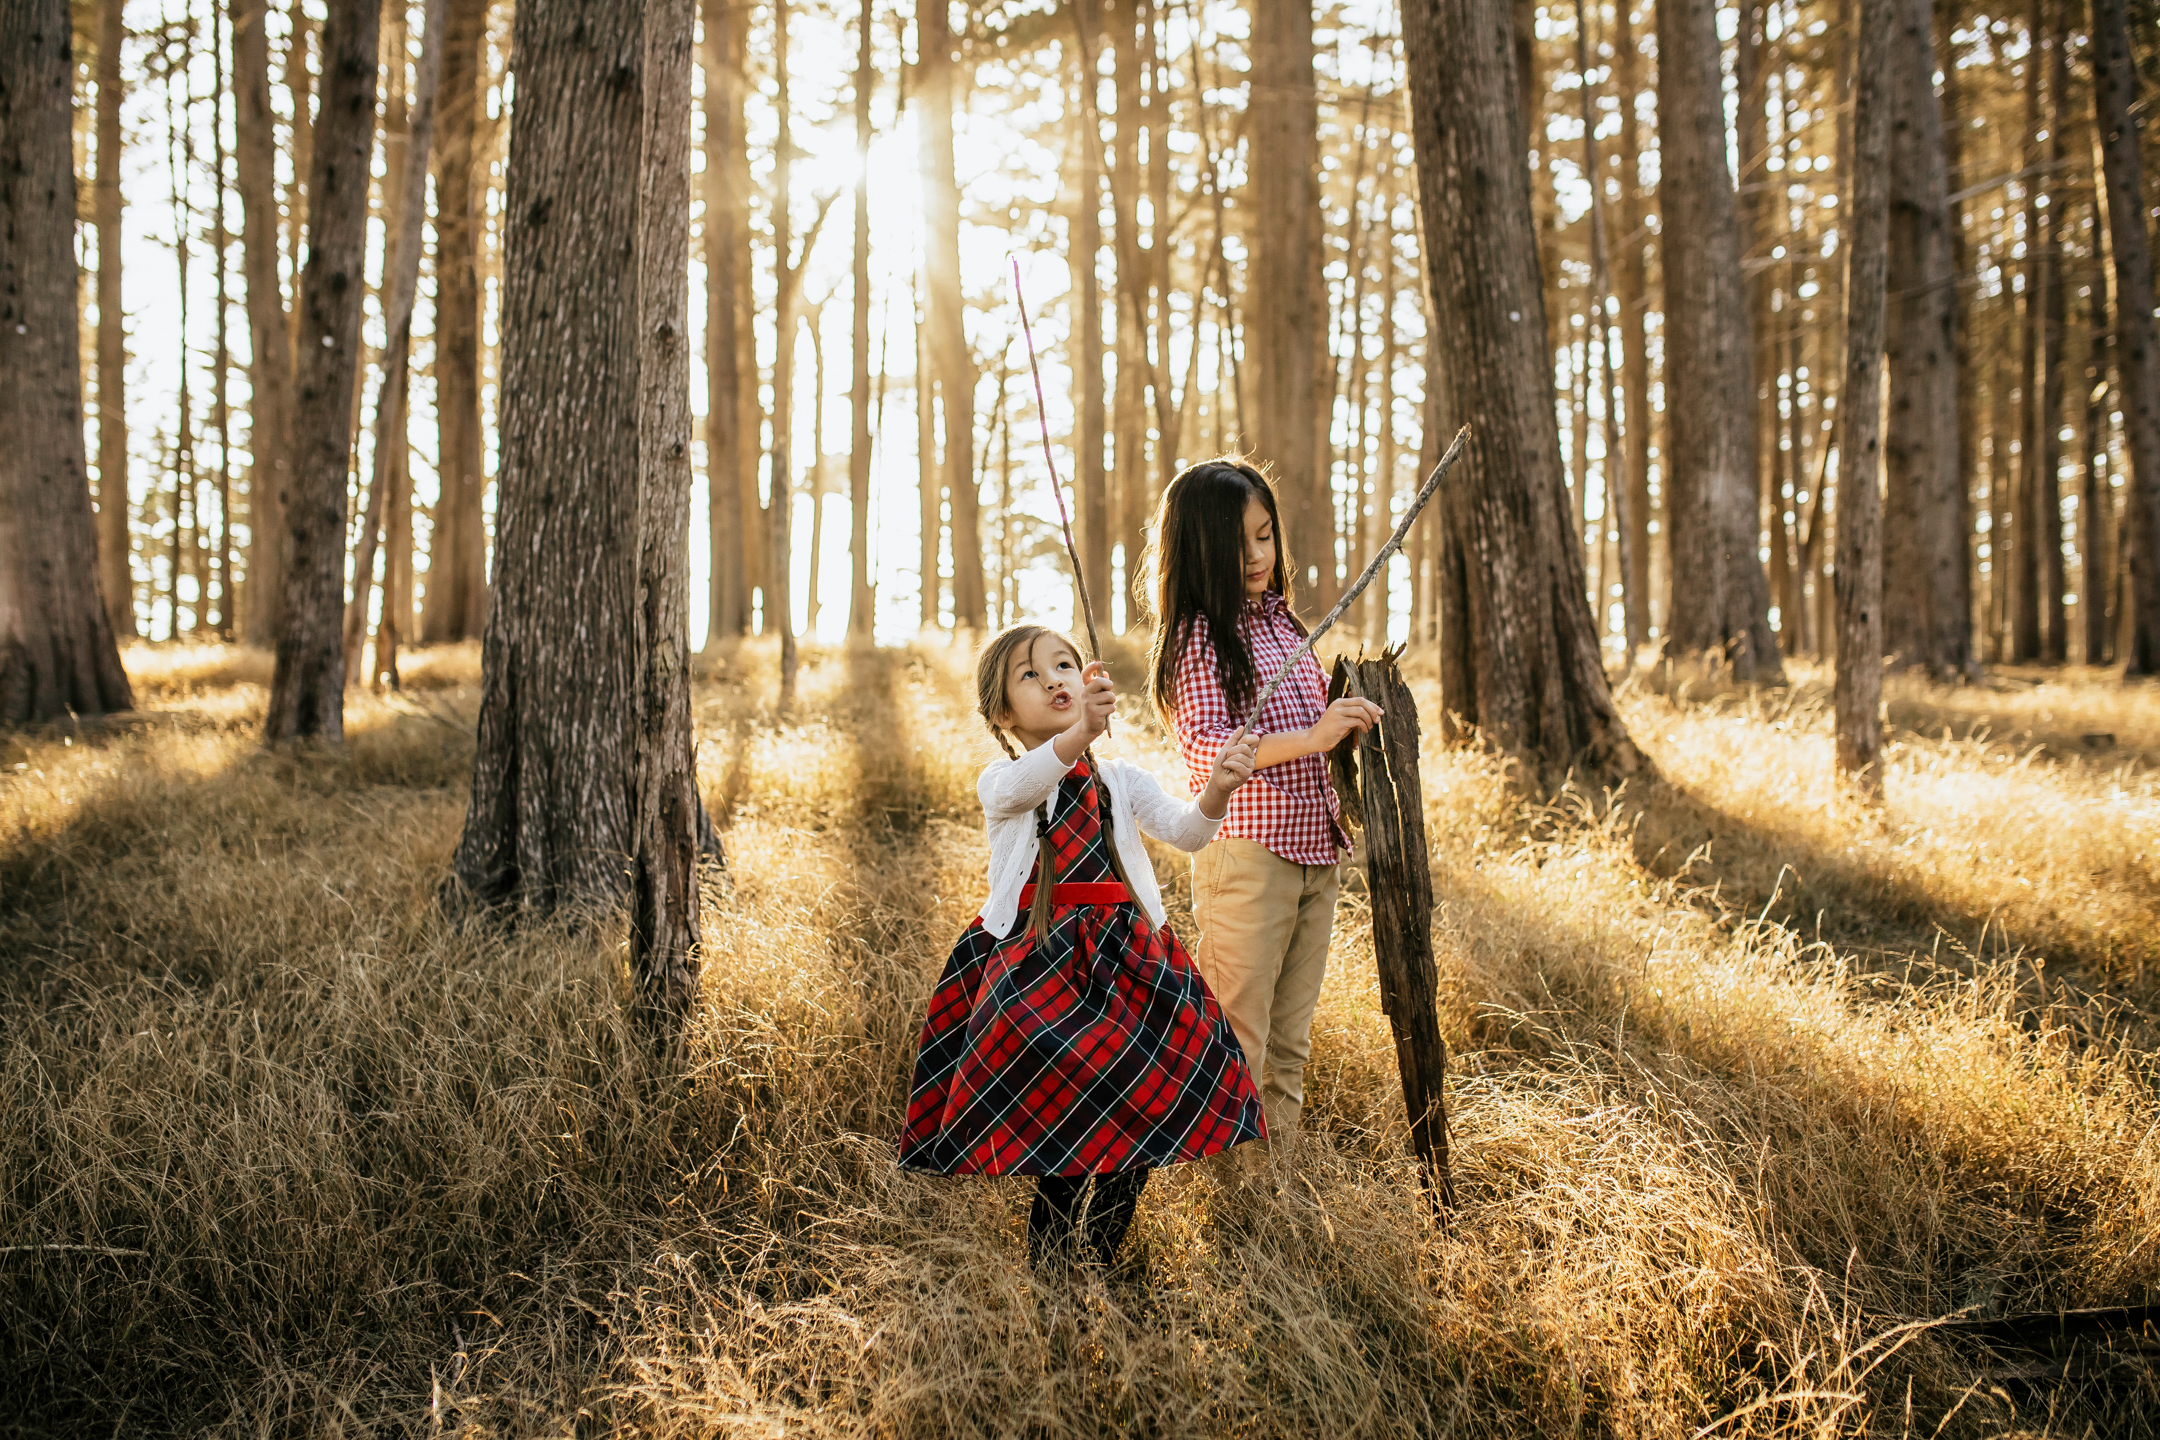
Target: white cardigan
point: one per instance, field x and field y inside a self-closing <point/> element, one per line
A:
<point x="1010" y="791"/>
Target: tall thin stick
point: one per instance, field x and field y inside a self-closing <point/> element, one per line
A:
<point x="1372" y="568"/>
<point x="1057" y="490"/>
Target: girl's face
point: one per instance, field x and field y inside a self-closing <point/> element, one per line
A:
<point x="1042" y="691"/>
<point x="1259" y="548"/>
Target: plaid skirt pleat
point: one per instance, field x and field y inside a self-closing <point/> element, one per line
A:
<point x="1098" y="1050"/>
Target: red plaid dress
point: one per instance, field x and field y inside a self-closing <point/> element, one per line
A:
<point x="1095" y="1052"/>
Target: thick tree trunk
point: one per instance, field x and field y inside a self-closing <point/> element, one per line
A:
<point x="1091" y="478"/>
<point x="862" y="599"/>
<point x="456" y="605"/>
<point x="270" y="350"/>
<point x="582" y="786"/>
<point x="948" y="315"/>
<point x="1720" y="595"/>
<point x="1519" y="653"/>
<point x="2137" y="345"/>
<point x="732" y="502"/>
<point x="308" y="682"/>
<point x="1857" y="691"/>
<point x="1923" y="538"/>
<point x="1283" y="327"/>
<point x="115" y="572"/>
<point x="57" y="652"/>
<point x="405" y="210"/>
<point x="1632" y="288"/>
<point x="1955" y="121"/>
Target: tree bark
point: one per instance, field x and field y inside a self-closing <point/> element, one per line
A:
<point x="2137" y="345"/>
<point x="270" y="349"/>
<point x="664" y="920"/>
<point x="948" y="313"/>
<point x="456" y="604"/>
<point x="1955" y="121"/>
<point x="583" y="793"/>
<point x="1632" y="288"/>
<point x="1519" y="654"/>
<point x="1128" y="444"/>
<point x="1283" y="329"/>
<point x="780" y="591"/>
<point x="862" y="599"/>
<point x="732" y="500"/>
<point x="2047" y="497"/>
<point x="307" y="684"/>
<point x="1925" y="625"/>
<point x="1857" y="690"/>
<point x="401" y="283"/>
<point x="1720" y="595"/>
<point x="115" y="572"/>
<point x="57" y="651"/>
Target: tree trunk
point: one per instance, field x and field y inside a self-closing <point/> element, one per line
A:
<point x="1091" y="479"/>
<point x="1519" y="654"/>
<point x="1720" y="595"/>
<point x="406" y="177"/>
<point x="57" y="651"/>
<point x="221" y="372"/>
<point x="862" y="599"/>
<point x="1923" y="538"/>
<point x="1632" y="288"/>
<point x="583" y="792"/>
<point x="2027" y="577"/>
<point x="456" y="605"/>
<point x="927" y="475"/>
<point x="300" y="89"/>
<point x="2137" y="345"/>
<point x="732" y="501"/>
<point x="1283" y="329"/>
<point x="1129" y="411"/>
<point x="948" y="314"/>
<point x="1955" y="122"/>
<point x="664" y="921"/>
<point x="115" y="572"/>
<point x="1857" y="691"/>
<point x="270" y="350"/>
<point x="308" y="682"/>
<point x="780" y="575"/>
<point x="2048" y="441"/>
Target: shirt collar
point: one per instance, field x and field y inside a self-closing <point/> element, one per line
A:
<point x="1268" y="602"/>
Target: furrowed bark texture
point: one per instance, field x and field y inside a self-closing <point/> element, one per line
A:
<point x="2137" y="345"/>
<point x="1925" y="624"/>
<point x="456" y="604"/>
<point x="115" y="574"/>
<point x="1857" y="692"/>
<point x="1386" y="797"/>
<point x="270" y="347"/>
<point x="1720" y="595"/>
<point x="1519" y="652"/>
<point x="57" y="653"/>
<point x="1288" y="313"/>
<point x="582" y="792"/>
<point x="663" y="873"/>
<point x="308" y="682"/>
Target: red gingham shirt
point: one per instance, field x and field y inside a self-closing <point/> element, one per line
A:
<point x="1290" y="809"/>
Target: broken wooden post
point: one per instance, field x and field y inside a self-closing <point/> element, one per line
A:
<point x="1377" y="777"/>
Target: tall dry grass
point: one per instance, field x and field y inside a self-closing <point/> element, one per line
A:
<point x="285" y="1153"/>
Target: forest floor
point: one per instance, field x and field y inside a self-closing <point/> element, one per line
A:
<point x="1746" y="1085"/>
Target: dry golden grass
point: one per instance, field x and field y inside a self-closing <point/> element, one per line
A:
<point x="332" y="1165"/>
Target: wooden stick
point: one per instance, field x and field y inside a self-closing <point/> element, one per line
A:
<point x="1372" y="568"/>
<point x="1057" y="491"/>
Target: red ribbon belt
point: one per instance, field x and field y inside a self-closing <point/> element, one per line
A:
<point x="1079" y="892"/>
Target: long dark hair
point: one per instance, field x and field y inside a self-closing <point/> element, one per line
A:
<point x="1197" y="562"/>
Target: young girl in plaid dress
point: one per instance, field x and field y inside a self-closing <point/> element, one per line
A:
<point x="1264" y="890"/>
<point x="1075" y="1042"/>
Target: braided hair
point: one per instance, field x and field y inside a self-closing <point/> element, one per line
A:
<point x="993" y="702"/>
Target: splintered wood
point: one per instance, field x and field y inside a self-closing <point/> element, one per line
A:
<point x="1376" y="775"/>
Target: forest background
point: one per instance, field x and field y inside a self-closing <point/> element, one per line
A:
<point x="1797" y="906"/>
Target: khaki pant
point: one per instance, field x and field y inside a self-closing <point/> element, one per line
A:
<point x="1264" y="926"/>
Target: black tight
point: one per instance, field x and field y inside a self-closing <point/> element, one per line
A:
<point x="1056" y="1218"/>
